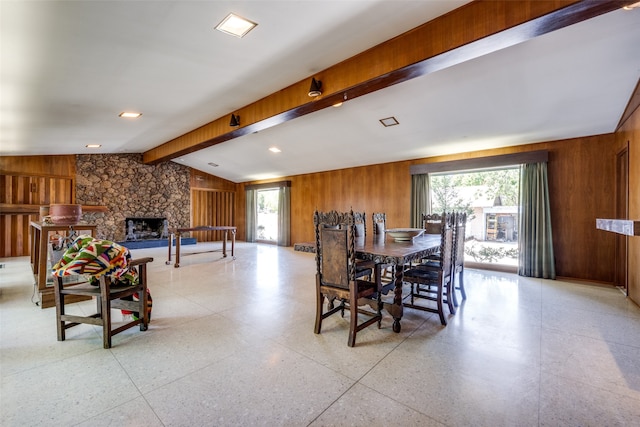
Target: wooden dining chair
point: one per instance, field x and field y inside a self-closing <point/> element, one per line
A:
<point x="458" y="256"/>
<point x="434" y="284"/>
<point x="432" y="223"/>
<point x="336" y="275"/>
<point x="362" y="266"/>
<point x="360" y="222"/>
<point x="459" y="226"/>
<point x="109" y="293"/>
<point x="379" y="220"/>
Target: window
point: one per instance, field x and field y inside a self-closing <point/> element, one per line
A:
<point x="490" y="198"/>
<point x="267" y="215"/>
<point x="269" y="212"/>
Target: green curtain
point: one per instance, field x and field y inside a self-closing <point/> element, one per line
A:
<point x="420" y="199"/>
<point x="284" y="216"/>
<point x="251" y="215"/>
<point x="534" y="230"/>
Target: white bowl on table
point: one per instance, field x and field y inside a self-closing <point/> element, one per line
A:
<point x="404" y="234"/>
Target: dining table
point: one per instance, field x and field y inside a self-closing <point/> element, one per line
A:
<point x="386" y="251"/>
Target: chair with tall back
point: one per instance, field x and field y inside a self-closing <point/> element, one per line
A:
<point x="379" y="220"/>
<point x="459" y="225"/>
<point x="432" y="223"/>
<point x="458" y="256"/>
<point x="360" y="222"/>
<point x="336" y="274"/>
<point x="362" y="266"/>
<point x="435" y="283"/>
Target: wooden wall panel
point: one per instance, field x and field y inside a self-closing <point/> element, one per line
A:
<point x="64" y="165"/>
<point x="204" y="181"/>
<point x="581" y="184"/>
<point x="34" y="181"/>
<point x="211" y="208"/>
<point x="36" y="190"/>
<point x="28" y="192"/>
<point x="213" y="202"/>
<point x="630" y="132"/>
<point x="13" y="229"/>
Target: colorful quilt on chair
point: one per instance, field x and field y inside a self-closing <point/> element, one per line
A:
<point x="96" y="257"/>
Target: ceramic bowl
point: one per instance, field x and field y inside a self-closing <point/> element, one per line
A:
<point x="404" y="234"/>
<point x="65" y="214"/>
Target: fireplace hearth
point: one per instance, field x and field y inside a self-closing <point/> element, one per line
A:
<point x="140" y="228"/>
<point x="145" y="232"/>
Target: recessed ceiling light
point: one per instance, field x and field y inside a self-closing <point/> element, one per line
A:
<point x="93" y="145"/>
<point x="389" y="121"/>
<point x="235" y="25"/>
<point x="275" y="150"/>
<point x="215" y="165"/>
<point x="631" y="6"/>
<point x="129" y="115"/>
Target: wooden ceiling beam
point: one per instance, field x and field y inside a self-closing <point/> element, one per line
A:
<point x="473" y="30"/>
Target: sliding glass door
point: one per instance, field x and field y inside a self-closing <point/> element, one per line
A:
<point x="490" y="198"/>
<point x="267" y="201"/>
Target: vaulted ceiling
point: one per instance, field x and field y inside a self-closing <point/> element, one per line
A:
<point x="70" y="67"/>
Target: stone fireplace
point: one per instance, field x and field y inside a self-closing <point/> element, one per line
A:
<point x="130" y="189"/>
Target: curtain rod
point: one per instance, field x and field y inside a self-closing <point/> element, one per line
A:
<point x="538" y="156"/>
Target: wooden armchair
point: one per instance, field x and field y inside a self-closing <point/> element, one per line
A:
<point x="336" y="274"/>
<point x="109" y="294"/>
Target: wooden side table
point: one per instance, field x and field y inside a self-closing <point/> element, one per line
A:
<point x="226" y="228"/>
<point x="41" y="261"/>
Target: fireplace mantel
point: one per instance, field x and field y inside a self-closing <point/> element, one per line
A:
<point x="621" y="226"/>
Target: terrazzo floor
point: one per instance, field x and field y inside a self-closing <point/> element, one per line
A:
<point x="231" y="343"/>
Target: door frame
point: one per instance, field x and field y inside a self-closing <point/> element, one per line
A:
<point x="621" y="273"/>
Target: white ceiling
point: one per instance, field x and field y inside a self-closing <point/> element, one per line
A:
<point x="69" y="68"/>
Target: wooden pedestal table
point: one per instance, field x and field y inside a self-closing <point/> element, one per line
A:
<point x="226" y="228"/>
<point x="41" y="256"/>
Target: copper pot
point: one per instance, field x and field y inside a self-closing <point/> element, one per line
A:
<point x="65" y="214"/>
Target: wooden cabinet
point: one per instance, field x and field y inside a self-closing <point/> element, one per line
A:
<point x="44" y="255"/>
